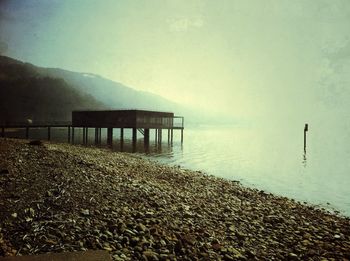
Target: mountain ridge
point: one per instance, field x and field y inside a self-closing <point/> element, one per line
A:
<point x="72" y="78"/>
<point x="80" y="91"/>
<point x="22" y="93"/>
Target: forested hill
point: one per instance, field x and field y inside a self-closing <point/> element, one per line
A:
<point x="26" y="94"/>
<point x="42" y="94"/>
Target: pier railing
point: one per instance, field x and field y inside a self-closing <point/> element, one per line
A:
<point x="178" y="122"/>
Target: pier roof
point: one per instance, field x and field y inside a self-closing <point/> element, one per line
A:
<point x="123" y="119"/>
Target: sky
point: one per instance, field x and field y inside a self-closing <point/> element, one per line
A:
<point x="273" y="60"/>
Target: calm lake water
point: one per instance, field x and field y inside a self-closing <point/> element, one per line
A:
<point x="274" y="162"/>
<point x="269" y="160"/>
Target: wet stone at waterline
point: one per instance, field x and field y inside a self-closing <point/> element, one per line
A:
<point x="58" y="198"/>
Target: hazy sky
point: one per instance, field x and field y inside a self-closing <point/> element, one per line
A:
<point x="255" y="59"/>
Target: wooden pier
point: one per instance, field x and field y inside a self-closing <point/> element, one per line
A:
<point x="139" y="121"/>
<point x="39" y="125"/>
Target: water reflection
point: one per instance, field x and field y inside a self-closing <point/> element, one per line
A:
<point x="151" y="148"/>
<point x="304" y="162"/>
<point x="121" y="145"/>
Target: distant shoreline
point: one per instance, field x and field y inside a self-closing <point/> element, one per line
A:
<point x="60" y="197"/>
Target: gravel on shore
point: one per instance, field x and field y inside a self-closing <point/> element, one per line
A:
<point x="60" y="197"/>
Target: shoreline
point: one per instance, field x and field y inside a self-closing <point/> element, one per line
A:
<point x="60" y="197"/>
<point x="323" y="206"/>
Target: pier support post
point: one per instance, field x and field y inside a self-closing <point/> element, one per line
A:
<point x="182" y="135"/>
<point x="27" y="132"/>
<point x="110" y="136"/>
<point x="121" y="139"/>
<point x="134" y="136"/>
<point x="168" y="136"/>
<point x="96" y="136"/>
<point x="171" y="136"/>
<point x="2" y="132"/>
<point x="85" y="132"/>
<point x="172" y="131"/>
<point x="68" y="134"/>
<point x="72" y="135"/>
<point x="48" y="133"/>
<point x="160" y="136"/>
<point x="146" y="137"/>
<point x="306" y="128"/>
<point x="83" y="135"/>
<point x="121" y="135"/>
<point x="86" y="135"/>
<point x="134" y="139"/>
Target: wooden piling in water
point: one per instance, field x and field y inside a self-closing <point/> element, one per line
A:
<point x="87" y="136"/>
<point x="2" y="132"/>
<point x="68" y="134"/>
<point x="83" y="135"/>
<point x="27" y="132"/>
<point x="72" y="135"/>
<point x="306" y="128"/>
<point x="172" y="136"/>
<point x="96" y="136"/>
<point x="48" y="133"/>
<point x="121" y="139"/>
<point x="134" y="135"/>
<point x="121" y="134"/>
<point x="109" y="136"/>
<point x="159" y="136"/>
<point x="146" y="136"/>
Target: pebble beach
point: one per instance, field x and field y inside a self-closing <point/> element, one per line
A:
<point x="60" y="197"/>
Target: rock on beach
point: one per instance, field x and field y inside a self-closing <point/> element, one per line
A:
<point x="60" y="197"/>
